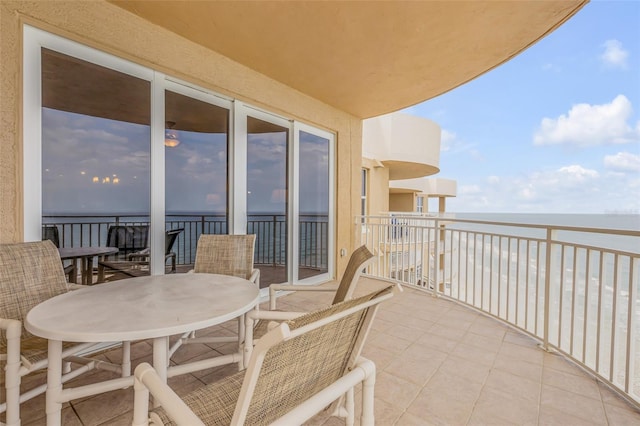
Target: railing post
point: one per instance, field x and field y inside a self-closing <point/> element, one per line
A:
<point x="275" y="224"/>
<point x="436" y="259"/>
<point x="547" y="289"/>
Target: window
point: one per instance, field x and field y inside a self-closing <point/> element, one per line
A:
<point x="363" y="194"/>
<point x="112" y="142"/>
<point x="420" y="204"/>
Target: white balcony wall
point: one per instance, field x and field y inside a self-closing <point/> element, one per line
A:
<point x="407" y="145"/>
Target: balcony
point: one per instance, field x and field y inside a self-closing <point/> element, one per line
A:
<point x="573" y="288"/>
<point x="464" y="343"/>
<point x="408" y="146"/>
<point x="438" y="363"/>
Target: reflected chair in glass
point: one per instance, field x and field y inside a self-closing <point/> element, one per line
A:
<point x="297" y="370"/>
<point x="138" y="262"/>
<point x="259" y="322"/>
<point x="170" y="237"/>
<point x="50" y="232"/>
<point x="31" y="273"/>
<point x="127" y="239"/>
<point x="225" y="255"/>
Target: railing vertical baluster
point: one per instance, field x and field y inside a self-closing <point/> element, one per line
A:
<point x="614" y="315"/>
<point x="561" y="297"/>
<point x="585" y="314"/>
<point x="600" y="296"/>
<point x="547" y="289"/>
<point x="573" y="300"/>
<point x="631" y="326"/>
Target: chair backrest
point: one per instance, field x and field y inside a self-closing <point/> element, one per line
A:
<point x="225" y="254"/>
<point x="170" y="237"/>
<point x="311" y="355"/>
<point x="50" y="232"/>
<point x="128" y="238"/>
<point x="30" y="273"/>
<point x="357" y="262"/>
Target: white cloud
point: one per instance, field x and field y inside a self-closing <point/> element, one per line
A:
<point x="623" y="161"/>
<point x="469" y="189"/>
<point x="568" y="189"/>
<point x="447" y="138"/>
<point x="590" y="125"/>
<point x="614" y="55"/>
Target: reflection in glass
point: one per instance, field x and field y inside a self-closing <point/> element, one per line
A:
<point x="196" y="151"/>
<point x="95" y="149"/>
<point x="314" y="205"/>
<point x="267" y="197"/>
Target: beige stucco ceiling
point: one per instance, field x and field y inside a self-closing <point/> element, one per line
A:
<point x="364" y="57"/>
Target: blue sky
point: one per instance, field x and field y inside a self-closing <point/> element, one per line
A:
<point x="554" y="130"/>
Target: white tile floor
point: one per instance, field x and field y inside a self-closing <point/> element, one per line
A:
<point x="438" y="364"/>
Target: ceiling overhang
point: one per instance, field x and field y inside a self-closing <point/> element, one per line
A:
<point x="364" y="58"/>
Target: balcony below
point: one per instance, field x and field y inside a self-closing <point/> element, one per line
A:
<point x="439" y="363"/>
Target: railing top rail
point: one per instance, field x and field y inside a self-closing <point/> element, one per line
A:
<point x="556" y="227"/>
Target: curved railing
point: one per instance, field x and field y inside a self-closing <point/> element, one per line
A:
<point x="77" y="230"/>
<point x="574" y="288"/>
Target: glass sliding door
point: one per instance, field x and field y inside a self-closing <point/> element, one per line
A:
<point x="110" y="144"/>
<point x="95" y="147"/>
<point x="314" y="201"/>
<point x="196" y="158"/>
<point x="267" y="195"/>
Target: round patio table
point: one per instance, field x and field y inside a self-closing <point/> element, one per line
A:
<point x="149" y="307"/>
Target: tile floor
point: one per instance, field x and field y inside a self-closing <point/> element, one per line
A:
<point x="438" y="364"/>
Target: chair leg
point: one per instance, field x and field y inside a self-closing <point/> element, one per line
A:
<point x="368" y="386"/>
<point x="12" y="374"/>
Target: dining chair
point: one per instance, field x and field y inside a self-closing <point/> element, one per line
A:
<point x="225" y="255"/>
<point x="137" y="263"/>
<point x="170" y="237"/>
<point x="296" y="370"/>
<point x="31" y="273"/>
<point x="50" y="232"/>
<point x="128" y="238"/>
<point x="259" y="322"/>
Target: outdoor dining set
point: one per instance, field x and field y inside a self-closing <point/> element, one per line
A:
<point x="290" y="365"/>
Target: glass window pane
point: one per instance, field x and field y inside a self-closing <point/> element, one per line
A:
<point x="196" y="153"/>
<point x="95" y="150"/>
<point x="314" y="205"/>
<point x="267" y="193"/>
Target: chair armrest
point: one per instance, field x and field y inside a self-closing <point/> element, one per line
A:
<point x="12" y="326"/>
<point x="11" y="362"/>
<point x="292" y="287"/>
<point x="147" y="381"/>
<point x="273" y="315"/>
<point x="255" y="276"/>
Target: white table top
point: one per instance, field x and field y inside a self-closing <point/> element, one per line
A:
<point x="142" y="308"/>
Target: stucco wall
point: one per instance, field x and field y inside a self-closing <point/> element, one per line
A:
<point x="106" y="27"/>
<point x="378" y="196"/>
<point x="402" y="202"/>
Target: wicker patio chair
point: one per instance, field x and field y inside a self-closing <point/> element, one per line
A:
<point x="50" y="232"/>
<point x="259" y="322"/>
<point x="225" y="255"/>
<point x="31" y="273"/>
<point x="295" y="371"/>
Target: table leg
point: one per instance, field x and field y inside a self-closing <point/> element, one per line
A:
<point x="54" y="384"/>
<point x="161" y="358"/>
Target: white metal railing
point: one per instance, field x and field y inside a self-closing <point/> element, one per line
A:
<point x="574" y="288"/>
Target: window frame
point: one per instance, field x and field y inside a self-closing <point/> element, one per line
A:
<point x="34" y="39"/>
